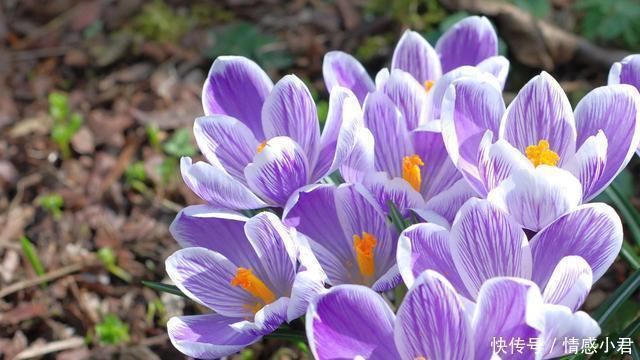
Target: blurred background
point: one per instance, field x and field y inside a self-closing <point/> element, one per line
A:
<point x="97" y="100"/>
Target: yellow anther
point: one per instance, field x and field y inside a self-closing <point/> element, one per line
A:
<point x="253" y="285"/>
<point x="411" y="170"/>
<point x="420" y="358"/>
<point x="541" y="154"/>
<point x="428" y="85"/>
<point x="261" y="147"/>
<point x="364" y="247"/>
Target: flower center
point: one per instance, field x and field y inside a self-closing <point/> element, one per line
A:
<point x="411" y="170"/>
<point x="541" y="154"/>
<point x="261" y="147"/>
<point x="364" y="246"/>
<point x="253" y="285"/>
<point x="428" y="85"/>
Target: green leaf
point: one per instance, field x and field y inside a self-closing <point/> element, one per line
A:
<point x="112" y="330"/>
<point x="396" y="218"/>
<point x="32" y="255"/>
<point x="284" y="332"/>
<point x="629" y="254"/>
<point x="52" y="203"/>
<point x="629" y="213"/>
<point x="161" y="287"/>
<point x="605" y="312"/>
<point x="180" y="144"/>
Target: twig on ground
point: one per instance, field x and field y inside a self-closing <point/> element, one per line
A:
<point x="40" y="350"/>
<point x="52" y="275"/>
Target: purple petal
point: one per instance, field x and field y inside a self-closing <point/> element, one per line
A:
<point x="431" y="322"/>
<point x="487" y="243"/>
<point x="561" y="324"/>
<point x="192" y="228"/>
<point x="205" y="277"/>
<point x="351" y="321"/>
<point x="342" y="69"/>
<point x="448" y="202"/>
<point x="339" y="135"/>
<point x="360" y="162"/>
<point x="427" y="247"/>
<point x="385" y="122"/>
<point x="626" y="71"/>
<point x="358" y="213"/>
<point x="497" y="66"/>
<point x="592" y="231"/>
<point x="438" y="173"/>
<point x="536" y="197"/>
<point x="589" y="163"/>
<point x="290" y="111"/>
<point x="381" y="77"/>
<point x="437" y="93"/>
<point x="278" y="170"/>
<point x="216" y="187"/>
<point x="409" y="96"/>
<point x="396" y="190"/>
<point x="274" y="246"/>
<point x="496" y="162"/>
<point x="507" y="309"/>
<point x="210" y="336"/>
<point x="312" y="211"/>
<point x="271" y="316"/>
<point x="468" y="42"/>
<point x="569" y="283"/>
<point x="237" y="86"/>
<point x="470" y="107"/>
<point x="226" y="141"/>
<point x="541" y="111"/>
<point x="307" y="285"/>
<point x="613" y="109"/>
<point x="414" y="55"/>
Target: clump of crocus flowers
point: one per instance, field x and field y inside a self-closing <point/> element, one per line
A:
<point x="421" y="179"/>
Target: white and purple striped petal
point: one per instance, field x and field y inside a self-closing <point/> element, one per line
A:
<point x="487" y="243"/>
<point x="589" y="163"/>
<point x="389" y="131"/>
<point x="238" y="87"/>
<point x="349" y="322"/>
<point x="338" y="138"/>
<point x="569" y="283"/>
<point x="210" y="336"/>
<point x="278" y="170"/>
<point x="431" y="322"/>
<point x="196" y="271"/>
<point x="615" y="110"/>
<point x="562" y="324"/>
<point x="438" y="173"/>
<point x="471" y="106"/>
<point x="225" y="141"/>
<point x="592" y="231"/>
<point x="342" y="69"/>
<point x="535" y="197"/>
<point x="290" y="111"/>
<point x="215" y="186"/>
<point x="497" y="66"/>
<point x="409" y="96"/>
<point x="467" y="42"/>
<point x="507" y="309"/>
<point x="541" y="111"/>
<point x="427" y="247"/>
<point x="626" y="71"/>
<point x="415" y="55"/>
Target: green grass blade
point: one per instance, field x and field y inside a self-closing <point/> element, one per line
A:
<point x="32" y="255"/>
<point x="161" y="287"/>
<point x="396" y="218"/>
<point x="629" y="213"/>
<point x="622" y="293"/>
<point x="629" y="254"/>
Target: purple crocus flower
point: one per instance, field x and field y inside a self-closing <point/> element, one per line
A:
<point x="626" y="71"/>
<point x="403" y="158"/>
<point x="564" y="259"/>
<point x="263" y="142"/>
<point x="250" y="272"/>
<point x="470" y="42"/>
<point x="348" y="233"/>
<point x="537" y="159"/>
<point x="434" y="322"/>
